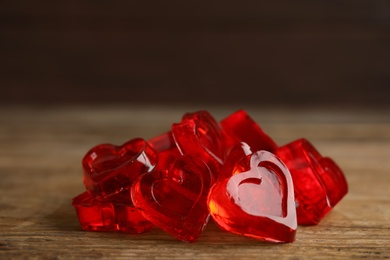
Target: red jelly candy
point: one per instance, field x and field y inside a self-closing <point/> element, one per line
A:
<point x="238" y="152"/>
<point x="175" y="200"/>
<point x="199" y="135"/>
<point x="163" y="142"/>
<point x="240" y="127"/>
<point x="318" y="182"/>
<point x="257" y="202"/>
<point x="167" y="150"/>
<point x="114" y="213"/>
<point x="109" y="169"/>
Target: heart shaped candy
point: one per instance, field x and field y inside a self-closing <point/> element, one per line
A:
<point x="113" y="213"/>
<point x="240" y="127"/>
<point x="162" y="142"/>
<point x="257" y="201"/>
<point x="319" y="183"/>
<point x="167" y="150"/>
<point x="199" y="135"/>
<point x="175" y="200"/>
<point x="109" y="168"/>
<point x="237" y="152"/>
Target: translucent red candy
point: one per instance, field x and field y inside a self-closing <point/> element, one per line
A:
<point x="114" y="213"/>
<point x="257" y="200"/>
<point x="109" y="172"/>
<point x="198" y="134"/>
<point x="240" y="127"/>
<point x="109" y="168"/>
<point x="200" y="167"/>
<point x="175" y="200"/>
<point x="237" y="152"/>
<point x="319" y="183"/>
<point x="167" y="150"/>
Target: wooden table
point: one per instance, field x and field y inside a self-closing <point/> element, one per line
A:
<point x="40" y="173"/>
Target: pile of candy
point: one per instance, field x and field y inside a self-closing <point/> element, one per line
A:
<point x="230" y="170"/>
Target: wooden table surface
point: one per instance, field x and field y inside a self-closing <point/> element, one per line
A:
<point x="40" y="173"/>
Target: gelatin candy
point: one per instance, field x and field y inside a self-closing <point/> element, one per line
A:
<point x="240" y="127"/>
<point x="175" y="200"/>
<point x="319" y="183"/>
<point x="109" y="168"/>
<point x="198" y="134"/>
<point x="167" y="150"/>
<point x="113" y="213"/>
<point x="237" y="152"/>
<point x="169" y="178"/>
<point x="257" y="200"/>
<point x="163" y="142"/>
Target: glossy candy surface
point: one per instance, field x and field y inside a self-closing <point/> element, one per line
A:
<point x="175" y="200"/>
<point x="237" y="152"/>
<point x="114" y="213"/>
<point x="109" y="168"/>
<point x="257" y="200"/>
<point x="318" y="182"/>
<point x="167" y="150"/>
<point x="198" y="134"/>
<point x="200" y="167"/>
<point x="240" y="127"/>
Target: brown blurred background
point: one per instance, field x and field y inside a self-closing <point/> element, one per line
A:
<point x="293" y="53"/>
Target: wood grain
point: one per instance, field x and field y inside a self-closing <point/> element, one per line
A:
<point x="40" y="172"/>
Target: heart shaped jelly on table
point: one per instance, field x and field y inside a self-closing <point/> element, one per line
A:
<point x="175" y="200"/>
<point x="319" y="183"/>
<point x="167" y="182"/>
<point x="257" y="200"/>
<point x="115" y="213"/>
<point x="240" y="127"/>
<point x="198" y="134"/>
<point x="167" y="150"/>
<point x="109" y="168"/>
<point x="237" y="152"/>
